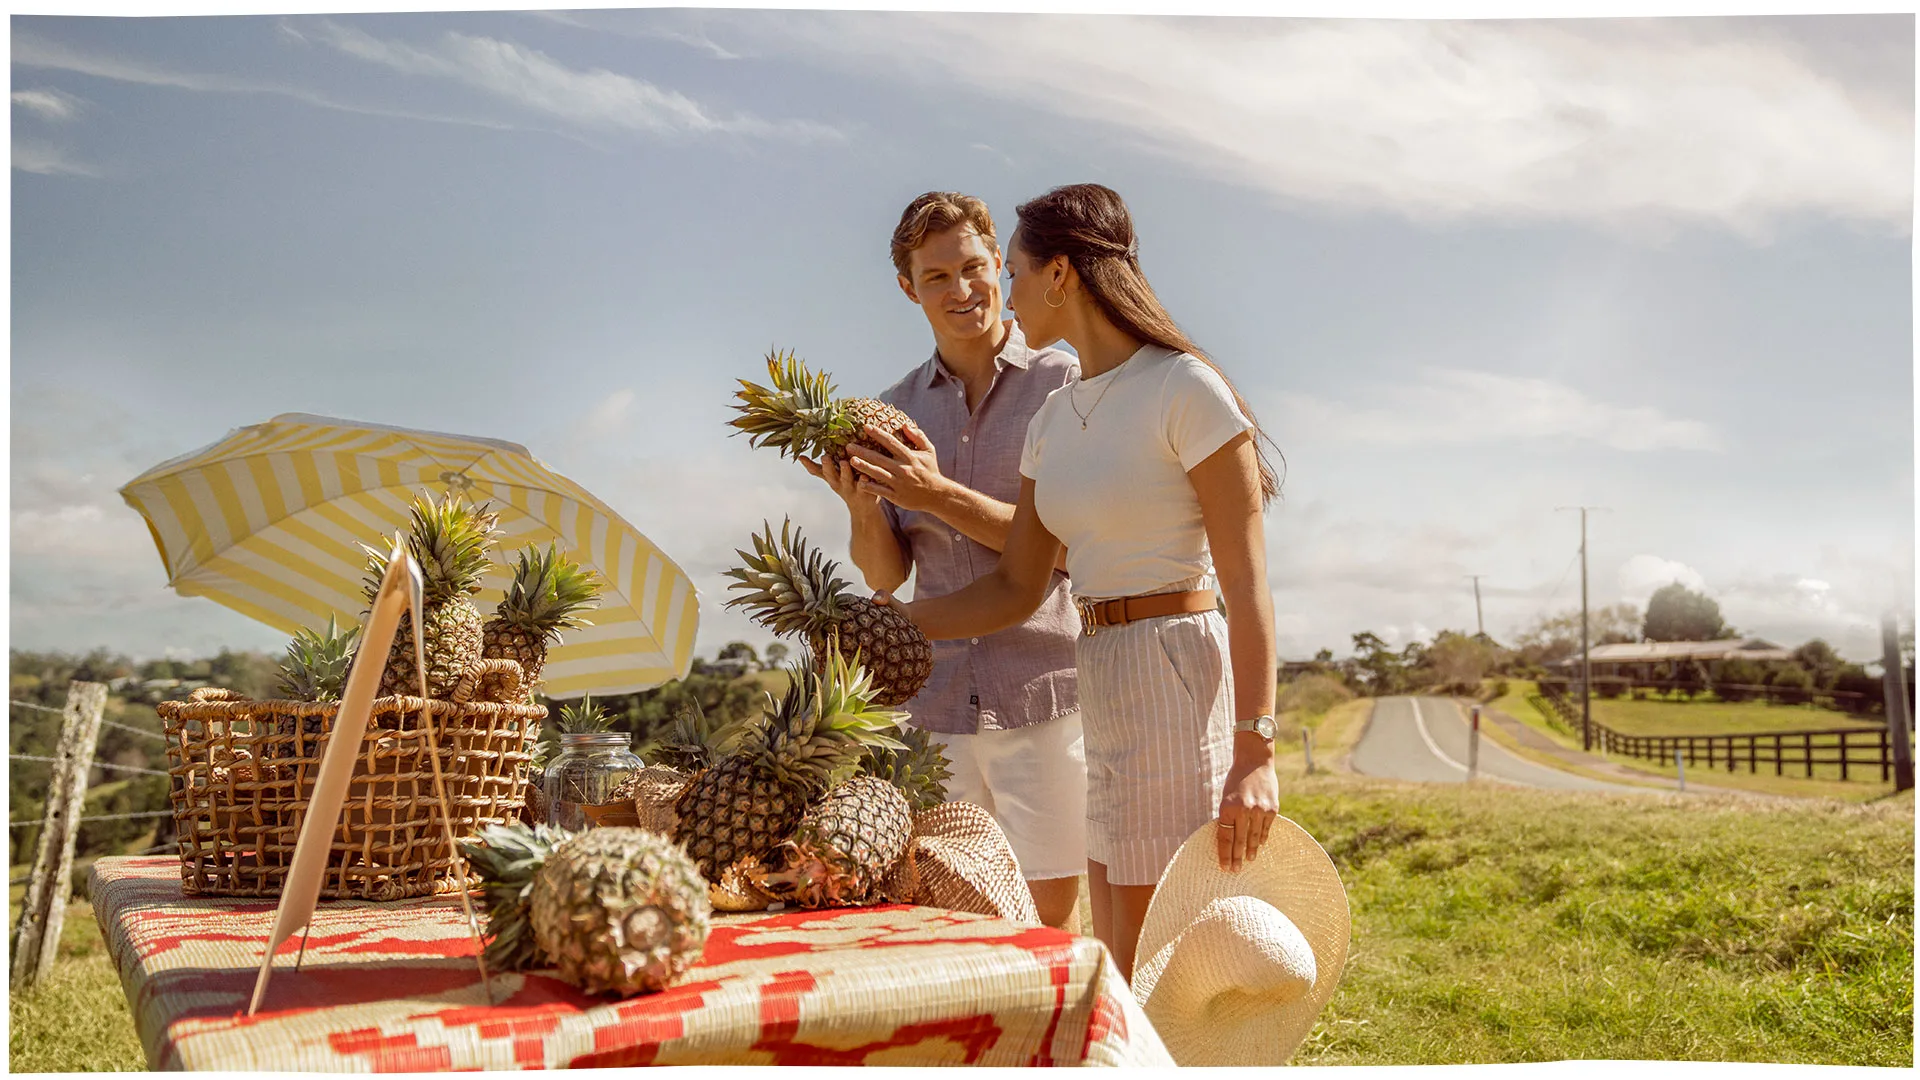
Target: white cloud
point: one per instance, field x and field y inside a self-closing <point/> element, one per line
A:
<point x="1642" y="575"/>
<point x="35" y="52"/>
<point x="1452" y="407"/>
<point x="45" y="159"/>
<point x="594" y="98"/>
<point x="48" y="104"/>
<point x="1600" y="121"/>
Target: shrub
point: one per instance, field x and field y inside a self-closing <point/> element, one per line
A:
<point x="1498" y="690"/>
<point x="1610" y="686"/>
<point x="1311" y="695"/>
<point x="1795" y="684"/>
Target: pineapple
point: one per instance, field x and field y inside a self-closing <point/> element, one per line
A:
<point x="792" y="588"/>
<point x="314" y="669"/>
<point x="450" y="541"/>
<point x="749" y="801"/>
<point x="920" y="771"/>
<point x="316" y="665"/>
<point x="842" y="849"/>
<point x="694" y="741"/>
<point x="614" y="910"/>
<point x="799" y="416"/>
<point x="546" y="596"/>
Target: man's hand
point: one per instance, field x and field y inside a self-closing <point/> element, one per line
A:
<point x="845" y="483"/>
<point x="908" y="476"/>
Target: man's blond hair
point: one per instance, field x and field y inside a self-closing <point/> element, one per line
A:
<point x="937" y="211"/>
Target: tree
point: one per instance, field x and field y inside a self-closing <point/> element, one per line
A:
<point x="736" y="650"/>
<point x="1677" y="613"/>
<point x="1324" y="656"/>
<point x="1820" y="662"/>
<point x="777" y="654"/>
<point x="1557" y="637"/>
<point x="1382" y="671"/>
<point x="1457" y="662"/>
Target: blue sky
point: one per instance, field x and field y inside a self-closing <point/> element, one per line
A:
<point x="1465" y="272"/>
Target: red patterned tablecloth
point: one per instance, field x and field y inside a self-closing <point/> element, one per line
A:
<point x="393" y="987"/>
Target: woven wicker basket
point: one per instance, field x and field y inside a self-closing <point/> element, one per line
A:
<point x="243" y="773"/>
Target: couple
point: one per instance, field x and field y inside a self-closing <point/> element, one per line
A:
<point x="1144" y="464"/>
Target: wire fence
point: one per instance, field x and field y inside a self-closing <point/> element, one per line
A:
<point x="36" y="707"/>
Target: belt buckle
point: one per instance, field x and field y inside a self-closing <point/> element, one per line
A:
<point x="1086" y="607"/>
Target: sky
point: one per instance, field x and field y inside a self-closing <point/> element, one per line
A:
<point x="1466" y="274"/>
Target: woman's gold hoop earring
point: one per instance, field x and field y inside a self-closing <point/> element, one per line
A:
<point x="1047" y="296"/>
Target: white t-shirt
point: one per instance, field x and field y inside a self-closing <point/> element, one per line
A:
<point x="1116" y="491"/>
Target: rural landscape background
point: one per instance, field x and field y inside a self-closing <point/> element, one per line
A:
<point x="1468" y="274"/>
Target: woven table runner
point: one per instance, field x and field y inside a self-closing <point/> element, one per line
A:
<point x="392" y="987"/>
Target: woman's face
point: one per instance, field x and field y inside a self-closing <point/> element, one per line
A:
<point x="1027" y="288"/>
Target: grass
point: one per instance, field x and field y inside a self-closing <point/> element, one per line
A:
<point x="77" y="1020"/>
<point x="1630" y="717"/>
<point x="1494" y="925"/>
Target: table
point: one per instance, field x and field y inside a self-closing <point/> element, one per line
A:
<point x="393" y="987"/>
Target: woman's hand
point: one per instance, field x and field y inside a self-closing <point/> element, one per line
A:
<point x="1248" y="808"/>
<point x="845" y="480"/>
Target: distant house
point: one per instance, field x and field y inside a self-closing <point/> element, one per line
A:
<point x="732" y="667"/>
<point x="1638" y="660"/>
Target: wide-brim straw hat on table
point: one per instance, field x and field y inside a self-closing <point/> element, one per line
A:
<point x="1234" y="968"/>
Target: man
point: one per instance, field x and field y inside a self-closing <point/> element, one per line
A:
<point x="1005" y="706"/>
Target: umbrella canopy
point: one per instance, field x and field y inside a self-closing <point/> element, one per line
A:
<point x="269" y="520"/>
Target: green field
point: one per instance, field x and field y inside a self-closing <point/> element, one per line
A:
<point x="1497" y="925"/>
<point x="1718" y="717"/>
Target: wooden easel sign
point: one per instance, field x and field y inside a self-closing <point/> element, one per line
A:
<point x="399" y="593"/>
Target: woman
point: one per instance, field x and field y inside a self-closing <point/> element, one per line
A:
<point x="1149" y="469"/>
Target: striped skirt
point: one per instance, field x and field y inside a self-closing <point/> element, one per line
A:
<point x="1156" y="704"/>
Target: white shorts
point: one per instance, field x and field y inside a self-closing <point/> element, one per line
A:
<point x="1033" y="780"/>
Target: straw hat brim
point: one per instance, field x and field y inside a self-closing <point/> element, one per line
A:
<point x="1292" y="873"/>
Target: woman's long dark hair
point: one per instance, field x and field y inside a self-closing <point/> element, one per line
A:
<point x="1090" y="225"/>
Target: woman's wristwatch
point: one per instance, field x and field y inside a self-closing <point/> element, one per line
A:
<point x="1262" y="725"/>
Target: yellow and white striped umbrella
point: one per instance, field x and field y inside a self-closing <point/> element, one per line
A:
<point x="269" y="520"/>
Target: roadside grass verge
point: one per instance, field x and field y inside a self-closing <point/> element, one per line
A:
<point x="1501" y="925"/>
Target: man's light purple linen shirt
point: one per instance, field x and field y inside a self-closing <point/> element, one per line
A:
<point x="1019" y="676"/>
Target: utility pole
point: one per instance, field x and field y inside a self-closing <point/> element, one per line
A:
<point x="1586" y="657"/>
<point x="1479" y="622"/>
<point x="1894" y="684"/>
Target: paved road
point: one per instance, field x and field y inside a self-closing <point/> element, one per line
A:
<point x="1427" y="739"/>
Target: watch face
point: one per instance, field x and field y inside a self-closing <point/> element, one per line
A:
<point x="1264" y="726"/>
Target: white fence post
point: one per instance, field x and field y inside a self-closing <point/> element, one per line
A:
<point x="37" y="941"/>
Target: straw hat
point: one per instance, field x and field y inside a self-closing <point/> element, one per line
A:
<point x="1233" y="968"/>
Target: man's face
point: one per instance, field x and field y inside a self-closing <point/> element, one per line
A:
<point x="955" y="278"/>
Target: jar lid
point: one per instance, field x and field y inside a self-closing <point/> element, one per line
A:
<point x="618" y="739"/>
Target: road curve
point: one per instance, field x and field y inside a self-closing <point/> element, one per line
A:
<point x="1427" y="739"/>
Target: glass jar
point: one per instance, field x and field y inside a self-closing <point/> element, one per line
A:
<point x="590" y="766"/>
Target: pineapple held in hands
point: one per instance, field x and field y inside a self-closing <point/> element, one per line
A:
<point x="615" y="910"/>
<point x="546" y="596"/>
<point x="750" y="800"/>
<point x="450" y="540"/>
<point x="799" y="416"/>
<point x="791" y="588"/>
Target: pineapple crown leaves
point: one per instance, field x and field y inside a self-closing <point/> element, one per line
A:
<point x="584" y="717"/>
<point x="790" y="586"/>
<point x="507" y="857"/>
<point x="316" y="664"/>
<point x="548" y="592"/>
<point x="449" y="539"/>
<point x="797" y="415"/>
<point x="823" y="727"/>
<point x="694" y="741"/>
<point x="920" y="769"/>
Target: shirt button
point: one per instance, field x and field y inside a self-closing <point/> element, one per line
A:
<point x="956" y="536"/>
<point x="966" y="438"/>
<point x="975" y="641"/>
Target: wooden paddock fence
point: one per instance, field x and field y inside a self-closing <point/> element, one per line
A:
<point x="1857" y="753"/>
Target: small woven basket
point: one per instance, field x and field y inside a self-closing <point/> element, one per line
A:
<point x="243" y="773"/>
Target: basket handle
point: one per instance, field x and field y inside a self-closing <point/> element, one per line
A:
<point x="509" y="669"/>
<point x="215" y="693"/>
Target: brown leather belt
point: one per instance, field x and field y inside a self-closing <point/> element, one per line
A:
<point x="1126" y="609"/>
